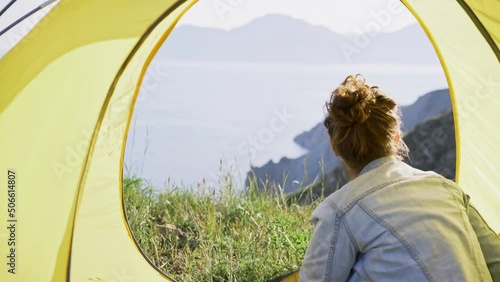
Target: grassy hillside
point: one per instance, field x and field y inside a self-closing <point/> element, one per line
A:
<point x="221" y="236"/>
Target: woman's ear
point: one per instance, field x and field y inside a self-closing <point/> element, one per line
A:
<point x="398" y="138"/>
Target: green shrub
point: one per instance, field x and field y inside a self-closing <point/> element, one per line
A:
<point x="218" y="236"/>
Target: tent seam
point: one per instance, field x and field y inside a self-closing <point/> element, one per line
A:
<point x="95" y="133"/>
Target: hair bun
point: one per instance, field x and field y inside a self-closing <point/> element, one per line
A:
<point x="363" y="124"/>
<point x="352" y="101"/>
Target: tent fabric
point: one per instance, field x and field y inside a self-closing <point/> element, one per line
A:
<point x="67" y="93"/>
<point x="487" y="12"/>
<point x="109" y="235"/>
<point x="473" y="75"/>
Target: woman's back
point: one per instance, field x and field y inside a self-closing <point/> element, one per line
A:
<point x="402" y="225"/>
<point x="392" y="222"/>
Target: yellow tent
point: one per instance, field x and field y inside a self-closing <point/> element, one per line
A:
<point x="67" y="93"/>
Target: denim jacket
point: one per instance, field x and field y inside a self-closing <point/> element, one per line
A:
<point x="397" y="223"/>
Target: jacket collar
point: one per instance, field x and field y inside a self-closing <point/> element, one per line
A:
<point x="376" y="163"/>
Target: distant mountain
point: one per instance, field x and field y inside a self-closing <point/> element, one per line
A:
<point x="432" y="148"/>
<point x="430" y="105"/>
<point x="308" y="168"/>
<point x="282" y="39"/>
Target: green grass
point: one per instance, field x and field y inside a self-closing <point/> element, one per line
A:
<point x="218" y="236"/>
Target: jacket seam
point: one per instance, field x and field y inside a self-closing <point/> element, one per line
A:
<point x="368" y="192"/>
<point x="331" y="252"/>
<point x="363" y="266"/>
<point x="344" y="222"/>
<point x="372" y="190"/>
<point x="401" y="239"/>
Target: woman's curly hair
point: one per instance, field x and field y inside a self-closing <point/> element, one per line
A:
<point x="363" y="123"/>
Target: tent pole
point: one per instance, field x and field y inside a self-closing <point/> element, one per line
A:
<point x="7" y="7"/>
<point x="43" y="5"/>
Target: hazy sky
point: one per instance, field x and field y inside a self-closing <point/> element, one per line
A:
<point x="340" y="16"/>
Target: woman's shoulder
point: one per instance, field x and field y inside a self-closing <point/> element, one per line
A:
<point x="388" y="174"/>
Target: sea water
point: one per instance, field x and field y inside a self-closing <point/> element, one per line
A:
<point x="196" y="121"/>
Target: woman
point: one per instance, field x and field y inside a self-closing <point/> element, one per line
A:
<point x="391" y="222"/>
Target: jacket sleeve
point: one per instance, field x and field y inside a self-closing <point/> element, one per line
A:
<point x="489" y="241"/>
<point x="331" y="254"/>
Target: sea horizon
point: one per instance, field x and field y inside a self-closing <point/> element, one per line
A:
<point x="193" y="114"/>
